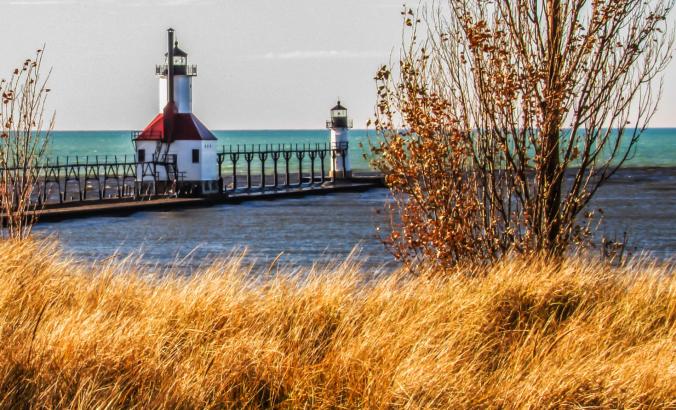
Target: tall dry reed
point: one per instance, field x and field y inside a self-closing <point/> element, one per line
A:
<point x="525" y="334"/>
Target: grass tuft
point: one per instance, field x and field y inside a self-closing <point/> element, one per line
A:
<point x="523" y="334"/>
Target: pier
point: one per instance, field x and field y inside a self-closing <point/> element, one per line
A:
<point x="78" y="187"/>
<point x="125" y="207"/>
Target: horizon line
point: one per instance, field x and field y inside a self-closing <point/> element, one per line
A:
<point x="214" y="129"/>
<point x="267" y="129"/>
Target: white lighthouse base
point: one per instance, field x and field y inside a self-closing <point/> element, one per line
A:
<point x="340" y="165"/>
<point x="337" y="175"/>
<point x="196" y="167"/>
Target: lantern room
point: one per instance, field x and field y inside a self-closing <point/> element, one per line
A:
<point x="339" y="117"/>
<point x="181" y="66"/>
<point x="180" y="56"/>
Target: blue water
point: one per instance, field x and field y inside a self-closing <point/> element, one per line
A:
<point x="656" y="148"/>
<point x="639" y="201"/>
<point x="298" y="232"/>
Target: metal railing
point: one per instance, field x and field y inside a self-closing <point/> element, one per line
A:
<point x="339" y="123"/>
<point x="280" y="166"/>
<point x="241" y="168"/>
<point x="189" y="70"/>
<point x="79" y="178"/>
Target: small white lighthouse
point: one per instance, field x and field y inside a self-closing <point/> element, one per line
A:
<point x="340" y="125"/>
<point x="176" y="136"/>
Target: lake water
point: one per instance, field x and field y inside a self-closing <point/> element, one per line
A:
<point x="640" y="201"/>
<point x="657" y="147"/>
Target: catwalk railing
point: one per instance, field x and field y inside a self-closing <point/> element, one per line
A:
<point x="278" y="165"/>
<point x="241" y="169"/>
<point x="85" y="178"/>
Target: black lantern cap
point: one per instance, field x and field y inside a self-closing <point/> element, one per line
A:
<point x="338" y="107"/>
<point x="177" y="51"/>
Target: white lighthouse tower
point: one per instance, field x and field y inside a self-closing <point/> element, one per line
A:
<point x="183" y="75"/>
<point x="340" y="125"/>
<point x="176" y="136"/>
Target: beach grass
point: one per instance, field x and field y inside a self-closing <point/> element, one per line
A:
<point x="522" y="334"/>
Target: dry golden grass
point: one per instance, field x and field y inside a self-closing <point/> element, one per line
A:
<point x="524" y="335"/>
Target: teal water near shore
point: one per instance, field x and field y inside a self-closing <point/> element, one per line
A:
<point x="656" y="148"/>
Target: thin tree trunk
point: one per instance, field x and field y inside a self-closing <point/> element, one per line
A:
<point x="551" y="179"/>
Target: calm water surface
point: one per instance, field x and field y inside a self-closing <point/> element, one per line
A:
<point x="656" y="148"/>
<point x="302" y="230"/>
<point x="320" y="228"/>
<point x="639" y="201"/>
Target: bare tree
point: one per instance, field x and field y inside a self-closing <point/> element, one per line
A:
<point x="24" y="135"/>
<point x="539" y="103"/>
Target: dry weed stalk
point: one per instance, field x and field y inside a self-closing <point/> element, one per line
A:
<point x="23" y="143"/>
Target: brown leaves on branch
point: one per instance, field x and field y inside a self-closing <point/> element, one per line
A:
<point x="502" y="119"/>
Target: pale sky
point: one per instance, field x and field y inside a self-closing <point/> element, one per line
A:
<point x="262" y="64"/>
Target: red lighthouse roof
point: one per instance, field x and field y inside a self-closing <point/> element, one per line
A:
<point x="186" y="127"/>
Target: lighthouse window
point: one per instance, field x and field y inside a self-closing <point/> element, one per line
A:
<point x="141" y="155"/>
<point x="195" y="156"/>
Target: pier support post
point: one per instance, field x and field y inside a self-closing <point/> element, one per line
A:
<point x="219" y="157"/>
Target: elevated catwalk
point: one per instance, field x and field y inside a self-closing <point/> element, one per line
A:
<point x="125" y="206"/>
